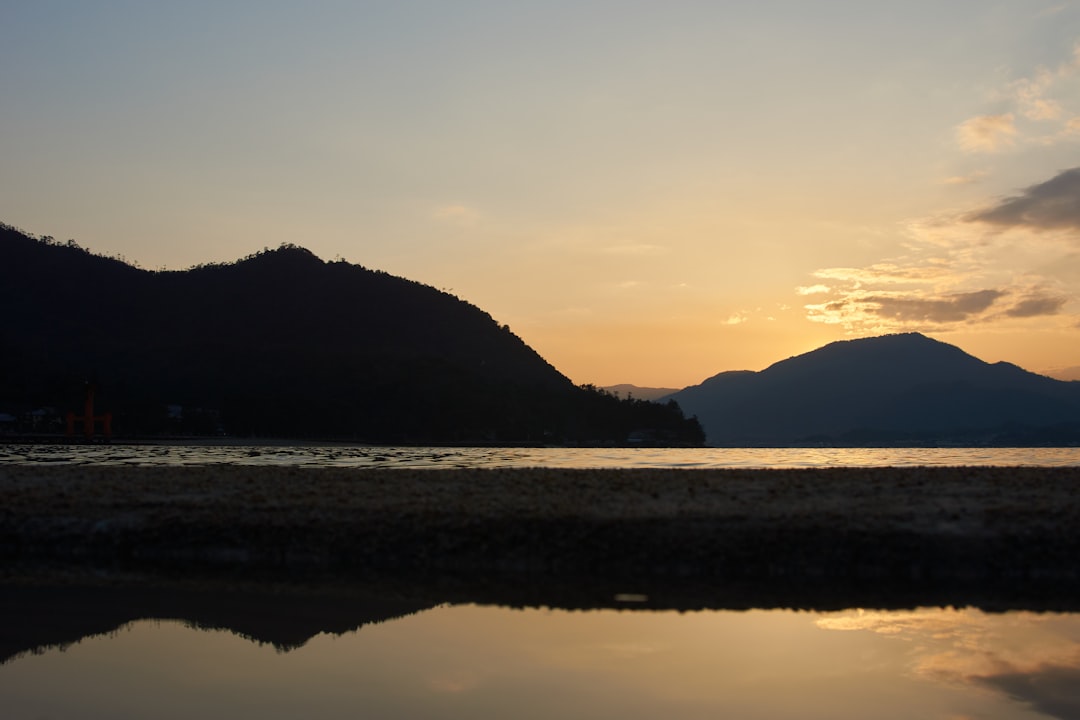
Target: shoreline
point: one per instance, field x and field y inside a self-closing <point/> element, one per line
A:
<point x="939" y="532"/>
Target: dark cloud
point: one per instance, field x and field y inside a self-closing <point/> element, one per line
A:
<point x="949" y="308"/>
<point x="1051" y="690"/>
<point x="1036" y="306"/>
<point x="1054" y="204"/>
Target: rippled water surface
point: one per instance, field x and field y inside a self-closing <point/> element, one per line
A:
<point x="390" y="457"/>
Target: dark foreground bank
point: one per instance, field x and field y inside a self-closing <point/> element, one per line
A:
<point x="808" y="537"/>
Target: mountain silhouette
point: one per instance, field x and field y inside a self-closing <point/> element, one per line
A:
<point x="283" y="344"/>
<point x="893" y="389"/>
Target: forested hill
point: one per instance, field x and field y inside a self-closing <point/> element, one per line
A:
<point x="895" y="389"/>
<point x="284" y="344"/>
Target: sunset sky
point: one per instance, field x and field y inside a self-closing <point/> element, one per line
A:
<point x="646" y="192"/>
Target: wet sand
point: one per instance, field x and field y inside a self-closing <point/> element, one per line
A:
<point x="944" y="525"/>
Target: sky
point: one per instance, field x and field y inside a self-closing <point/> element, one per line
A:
<point x="645" y="192"/>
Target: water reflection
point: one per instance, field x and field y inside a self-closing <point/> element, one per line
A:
<point x="477" y="661"/>
<point x="1031" y="658"/>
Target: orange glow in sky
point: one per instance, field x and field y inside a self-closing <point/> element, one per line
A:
<point x="645" y="192"/>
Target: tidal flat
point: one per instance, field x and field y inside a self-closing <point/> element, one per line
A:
<point x="823" y="537"/>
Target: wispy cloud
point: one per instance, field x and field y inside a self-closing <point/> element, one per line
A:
<point x="1030" y="94"/>
<point x="987" y="133"/>
<point x="737" y="318"/>
<point x="1032" y="658"/>
<point x="999" y="264"/>
<point x="1052" y="10"/>
<point x="969" y="179"/>
<point x="1063" y="373"/>
<point x="812" y="289"/>
<point x="629" y="284"/>
<point x="888" y="273"/>
<point x="461" y="215"/>
<point x="863" y="304"/>
<point x="1040" y="100"/>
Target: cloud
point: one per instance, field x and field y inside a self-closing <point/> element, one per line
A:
<point x="812" y="289"/>
<point x="1052" y="690"/>
<point x="1029" y="658"/>
<point x="1032" y="103"/>
<point x="1054" y="204"/>
<point x="1042" y="109"/>
<point x="987" y="133"/>
<point x="933" y="623"/>
<point x="1036" y="306"/>
<point x="1070" y="130"/>
<point x="969" y="179"/>
<point x="737" y="318"/>
<point x="920" y="309"/>
<point x="1030" y="95"/>
<point x="886" y="273"/>
<point x="460" y="215"/>
<point x="949" y="277"/>
<point x="1013" y="261"/>
<point x="1052" y="10"/>
<point x="1064" y="373"/>
<point x="898" y="310"/>
<point x="948" y="309"/>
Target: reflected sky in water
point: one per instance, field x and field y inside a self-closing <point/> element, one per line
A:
<point x="489" y="662"/>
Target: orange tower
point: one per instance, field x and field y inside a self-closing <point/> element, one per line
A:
<point x="89" y="420"/>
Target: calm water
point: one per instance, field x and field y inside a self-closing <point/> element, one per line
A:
<point x="483" y="663"/>
<point x="487" y="662"/>
<point x="355" y="456"/>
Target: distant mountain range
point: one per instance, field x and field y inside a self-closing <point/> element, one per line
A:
<point x="1068" y="373"/>
<point x="283" y="344"/>
<point x="893" y="390"/>
<point x="642" y="393"/>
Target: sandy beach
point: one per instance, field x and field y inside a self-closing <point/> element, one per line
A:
<point x="1013" y="526"/>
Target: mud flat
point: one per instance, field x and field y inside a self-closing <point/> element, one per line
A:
<point x="1008" y="536"/>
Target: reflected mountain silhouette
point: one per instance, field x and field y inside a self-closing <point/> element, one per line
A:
<point x="41" y="612"/>
<point x="41" y="616"/>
